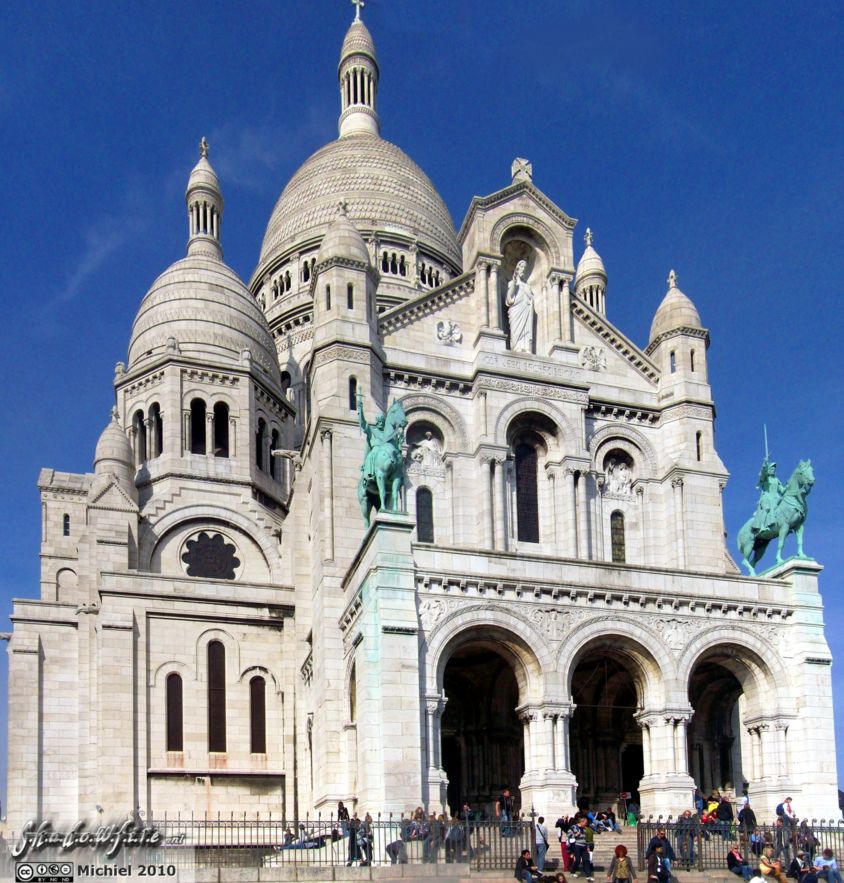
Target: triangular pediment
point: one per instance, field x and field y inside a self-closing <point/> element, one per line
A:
<point x="114" y="498"/>
<point x="425" y="304"/>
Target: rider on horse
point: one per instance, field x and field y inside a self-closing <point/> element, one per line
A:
<point x="377" y="434"/>
<point x="772" y="491"/>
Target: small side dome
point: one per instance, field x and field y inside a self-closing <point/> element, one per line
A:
<point x="113" y="455"/>
<point x="342" y="240"/>
<point x="590" y="263"/>
<point x="676" y="311"/>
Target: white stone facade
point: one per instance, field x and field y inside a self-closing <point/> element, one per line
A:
<point x="575" y="628"/>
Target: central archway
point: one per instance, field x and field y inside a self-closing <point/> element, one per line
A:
<point x="482" y="737"/>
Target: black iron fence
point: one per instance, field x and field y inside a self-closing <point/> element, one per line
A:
<point x="271" y="841"/>
<point x="704" y="847"/>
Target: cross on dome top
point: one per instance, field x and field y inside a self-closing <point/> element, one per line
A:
<point x="358" y="6"/>
<point x="672" y="280"/>
<point x="588" y="237"/>
<point x="203" y="148"/>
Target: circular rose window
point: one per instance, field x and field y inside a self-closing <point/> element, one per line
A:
<point x="212" y="555"/>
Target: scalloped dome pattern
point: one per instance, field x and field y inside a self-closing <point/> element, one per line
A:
<point x="384" y="190"/>
<point x="358" y="41"/>
<point x="205" y="306"/>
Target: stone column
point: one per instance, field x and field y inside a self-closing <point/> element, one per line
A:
<point x="209" y="435"/>
<point x="555" y="331"/>
<point x="570" y="507"/>
<point x="327" y="493"/>
<point x="232" y="437"/>
<point x="148" y="435"/>
<point x="679" y="521"/>
<point x="185" y="432"/>
<point x="486" y="469"/>
<point x="551" y="761"/>
<point x="768" y="752"/>
<point x="500" y="505"/>
<point x="527" y="740"/>
<point x="681" y="750"/>
<point x="483" y="266"/>
<point x="780" y="729"/>
<point x="647" y="757"/>
<point x="452" y="502"/>
<point x="565" y="311"/>
<point x="643" y="527"/>
<point x="599" y="515"/>
<point x="559" y="508"/>
<point x="582" y="517"/>
<point x="494" y="297"/>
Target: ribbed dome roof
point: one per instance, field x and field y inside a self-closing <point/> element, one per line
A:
<point x="114" y="452"/>
<point x="675" y="311"/>
<point x="358" y="42"/>
<point x="342" y="241"/>
<point x="590" y="262"/>
<point x="203" y="304"/>
<point x="385" y="191"/>
<point x="203" y="176"/>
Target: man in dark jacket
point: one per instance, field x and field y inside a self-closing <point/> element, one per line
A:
<point x="526" y="870"/>
<point x="724" y="814"/>
<point x="661" y="841"/>
<point x="747" y="819"/>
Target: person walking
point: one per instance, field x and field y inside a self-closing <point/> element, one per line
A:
<point x="541" y="840"/>
<point x="580" y="847"/>
<point x="621" y="869"/>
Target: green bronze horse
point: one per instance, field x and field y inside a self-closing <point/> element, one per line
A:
<point x="786" y="513"/>
<point x="382" y="475"/>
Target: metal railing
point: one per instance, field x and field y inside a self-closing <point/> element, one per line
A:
<point x="189" y="841"/>
<point x="704" y="847"/>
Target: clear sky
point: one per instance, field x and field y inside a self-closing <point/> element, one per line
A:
<point x="707" y="137"/>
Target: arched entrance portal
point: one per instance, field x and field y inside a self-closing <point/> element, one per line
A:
<point x="606" y="741"/>
<point x="482" y="738"/>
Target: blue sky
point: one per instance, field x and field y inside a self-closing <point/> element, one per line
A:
<point x="707" y="137"/>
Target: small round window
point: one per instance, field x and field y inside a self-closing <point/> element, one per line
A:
<point x="211" y="555"/>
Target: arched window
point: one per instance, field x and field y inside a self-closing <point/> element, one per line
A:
<point x="306" y="272"/>
<point x="286" y="380"/>
<point x="527" y="501"/>
<point x="353" y="393"/>
<point x="402" y="266"/>
<point x="699" y="446"/>
<point x="350" y="296"/>
<point x="260" y="436"/>
<point x="197" y="426"/>
<point x="353" y="694"/>
<point x="394" y="264"/>
<point x="174" y="712"/>
<point x="257" y="716"/>
<point x="327" y="297"/>
<point x="66" y="525"/>
<point x="672" y="361"/>
<point x="385" y="262"/>
<point x="424" y="515"/>
<point x="221" y="429"/>
<point x="216" y="696"/>
<point x="287" y="281"/>
<point x="156" y="430"/>
<point x="139" y="431"/>
<point x="275" y="462"/>
<point x="617" y="537"/>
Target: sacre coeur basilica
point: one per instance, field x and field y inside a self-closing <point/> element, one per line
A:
<point x="405" y="520"/>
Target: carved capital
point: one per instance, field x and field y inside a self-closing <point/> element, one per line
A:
<point x="677" y="481"/>
<point x="639" y="490"/>
<point x="326" y="433"/>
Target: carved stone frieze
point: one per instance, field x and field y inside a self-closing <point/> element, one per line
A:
<point x="593" y="358"/>
<point x="145" y="383"/>
<point x="534" y="389"/>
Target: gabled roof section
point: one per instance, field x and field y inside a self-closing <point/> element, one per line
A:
<point x="113" y="497"/>
<point x="615" y="339"/>
<point x="506" y="195"/>
<point x="427" y="303"/>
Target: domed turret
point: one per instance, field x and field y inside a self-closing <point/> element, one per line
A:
<point x="198" y="307"/>
<point x="591" y="277"/>
<point x="205" y="207"/>
<point x="342" y="240"/>
<point x="358" y="73"/>
<point x="114" y="457"/>
<point x="675" y="312"/>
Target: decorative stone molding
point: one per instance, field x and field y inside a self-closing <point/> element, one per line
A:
<point x="536" y="390"/>
<point x="448" y="332"/>
<point x="677" y="412"/>
<point x="144" y="383"/>
<point x="217" y="378"/>
<point x="426" y="304"/>
<point x="441" y="408"/>
<point x="701" y="333"/>
<point x="593" y="358"/>
<point x="620" y="412"/>
<point x="339" y="351"/>
<point x="533" y="368"/>
<point x="606" y="434"/>
<point x="409" y="379"/>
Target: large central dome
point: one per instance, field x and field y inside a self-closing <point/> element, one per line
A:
<point x="385" y="192"/>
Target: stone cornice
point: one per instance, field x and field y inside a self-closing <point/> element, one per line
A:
<point x="426" y="304"/>
<point x="702" y="333"/>
<point x="621" y="344"/>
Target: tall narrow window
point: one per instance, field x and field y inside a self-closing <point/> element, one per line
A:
<point x="424" y="515"/>
<point x="174" y="712"/>
<point x="672" y="361"/>
<point x="197" y="426"/>
<point x="350" y="296"/>
<point x="260" y="437"/>
<point x="221" y="429"/>
<point x="617" y="537"/>
<point x="327" y="297"/>
<point x="353" y="694"/>
<point x="275" y="462"/>
<point x="216" y="696"/>
<point x="66" y="525"/>
<point x="527" y="501"/>
<point x="257" y="716"/>
<point x="699" y="446"/>
<point x="353" y="393"/>
<point x="139" y="431"/>
<point x="692" y="361"/>
<point x="156" y="430"/>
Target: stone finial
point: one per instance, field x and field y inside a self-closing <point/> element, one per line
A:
<point x="588" y="237"/>
<point x="342" y="208"/>
<point x="115" y="414"/>
<point x="521" y="169"/>
<point x="672" y="280"/>
<point x="203" y="148"/>
<point x="359" y="4"/>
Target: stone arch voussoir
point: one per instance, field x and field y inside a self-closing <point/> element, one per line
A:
<point x="568" y="436"/>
